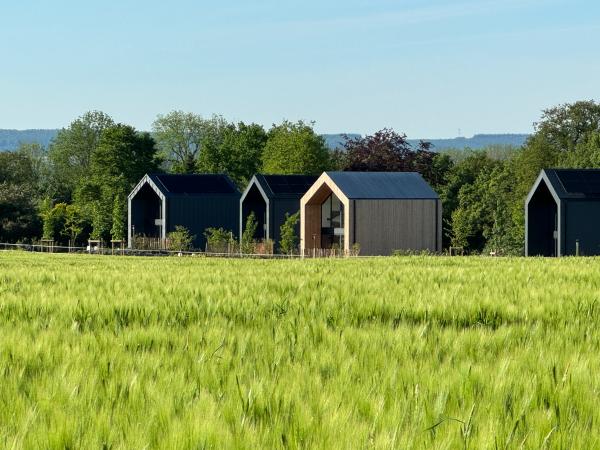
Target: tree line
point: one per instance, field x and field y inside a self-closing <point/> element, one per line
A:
<point x="77" y="187"/>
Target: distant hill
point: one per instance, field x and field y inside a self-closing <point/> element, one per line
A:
<point x="335" y="141"/>
<point x="10" y="140"/>
<point x="459" y="143"/>
<point x="476" y="142"/>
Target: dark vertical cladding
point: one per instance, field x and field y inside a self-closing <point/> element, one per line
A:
<point x="201" y="212"/>
<point x="582" y="219"/>
<point x="563" y="208"/>
<point x="281" y="207"/>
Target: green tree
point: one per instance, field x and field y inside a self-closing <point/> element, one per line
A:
<point x="560" y="137"/>
<point x="75" y="223"/>
<point x="123" y="154"/>
<point x="249" y="233"/>
<point x="295" y="148"/>
<point x="288" y="242"/>
<point x="484" y="219"/>
<point x="101" y="214"/>
<point x="19" y="219"/>
<point x="55" y="218"/>
<point x="20" y="194"/>
<point x="461" y="176"/>
<point x="181" y="138"/>
<point x="119" y="161"/>
<point x="71" y="151"/>
<point x="586" y="154"/>
<point x="237" y="153"/>
<point x="119" y="211"/>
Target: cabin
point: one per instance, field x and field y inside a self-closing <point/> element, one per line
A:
<point x="271" y="197"/>
<point x="562" y="213"/>
<point x="379" y="211"/>
<point x="160" y="202"/>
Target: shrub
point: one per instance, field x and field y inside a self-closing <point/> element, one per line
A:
<point x="248" y="234"/>
<point x="180" y="240"/>
<point x="219" y="240"/>
<point x="288" y="242"/>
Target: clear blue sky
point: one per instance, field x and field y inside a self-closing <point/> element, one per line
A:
<point x="425" y="68"/>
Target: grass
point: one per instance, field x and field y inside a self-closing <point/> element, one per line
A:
<point x="407" y="352"/>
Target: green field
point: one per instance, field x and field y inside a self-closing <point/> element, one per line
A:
<point x="411" y="352"/>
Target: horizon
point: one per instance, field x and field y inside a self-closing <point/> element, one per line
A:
<point x="349" y="133"/>
<point x="424" y="70"/>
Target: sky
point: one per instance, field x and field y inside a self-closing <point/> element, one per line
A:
<point x="425" y="68"/>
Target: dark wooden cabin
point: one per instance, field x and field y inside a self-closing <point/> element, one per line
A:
<point x="160" y="202"/>
<point x="562" y="213"/>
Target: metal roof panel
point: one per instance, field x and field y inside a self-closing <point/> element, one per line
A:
<point x="383" y="185"/>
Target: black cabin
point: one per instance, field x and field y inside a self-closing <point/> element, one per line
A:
<point x="270" y="197"/>
<point x="562" y="212"/>
<point x="160" y="202"/>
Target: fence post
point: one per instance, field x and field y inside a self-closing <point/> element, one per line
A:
<point x="576" y="247"/>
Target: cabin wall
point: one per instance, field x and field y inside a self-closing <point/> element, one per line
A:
<point x="581" y="222"/>
<point x="279" y="207"/>
<point x="202" y="212"/>
<point x="382" y="226"/>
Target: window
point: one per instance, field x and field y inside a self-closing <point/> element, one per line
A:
<point x="332" y="222"/>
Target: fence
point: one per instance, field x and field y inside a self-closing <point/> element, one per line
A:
<point x="330" y="253"/>
<point x="232" y="247"/>
<point x="229" y="250"/>
<point x="150" y="243"/>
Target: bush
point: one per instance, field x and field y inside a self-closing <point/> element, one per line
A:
<point x="180" y="240"/>
<point x="288" y="242"/>
<point x="219" y="240"/>
<point x="248" y="234"/>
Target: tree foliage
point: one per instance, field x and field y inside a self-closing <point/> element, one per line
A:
<point x="19" y="194"/>
<point x="71" y="152"/>
<point x="182" y="137"/>
<point x="389" y="151"/>
<point x="75" y="223"/>
<point x="55" y="219"/>
<point x="295" y="148"/>
<point x="236" y="153"/>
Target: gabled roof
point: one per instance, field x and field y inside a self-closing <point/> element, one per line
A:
<point x="572" y="183"/>
<point x="285" y="185"/>
<point x="171" y="185"/>
<point x="196" y="184"/>
<point x="382" y="185"/>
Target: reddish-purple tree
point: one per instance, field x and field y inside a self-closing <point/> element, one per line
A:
<point x="388" y="151"/>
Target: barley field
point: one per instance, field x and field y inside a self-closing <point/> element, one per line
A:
<point x="406" y="352"/>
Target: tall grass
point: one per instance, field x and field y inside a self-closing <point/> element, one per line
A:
<point x="412" y="352"/>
